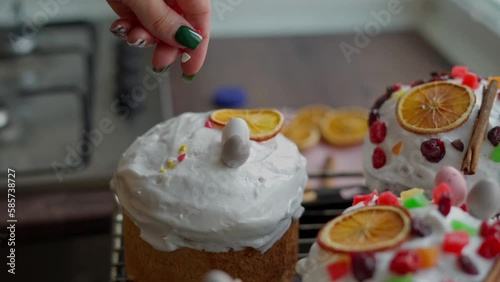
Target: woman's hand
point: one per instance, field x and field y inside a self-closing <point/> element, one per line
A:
<point x="176" y="27"/>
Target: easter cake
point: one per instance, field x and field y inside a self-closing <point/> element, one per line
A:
<point x="453" y="119"/>
<point x="411" y="238"/>
<point x="204" y="191"/>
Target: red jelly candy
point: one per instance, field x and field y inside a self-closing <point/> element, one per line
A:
<point x="388" y="198"/>
<point x="181" y="157"/>
<point x="470" y="80"/>
<point x="208" y="124"/>
<point x="396" y="87"/>
<point x="338" y="270"/>
<point x="378" y="158"/>
<point x="459" y="71"/>
<point x="405" y="262"/>
<point x="439" y="190"/>
<point x="444" y="204"/>
<point x="378" y="131"/>
<point x="454" y="242"/>
<point x="486" y="229"/>
<point x="366" y="199"/>
<point x="490" y="248"/>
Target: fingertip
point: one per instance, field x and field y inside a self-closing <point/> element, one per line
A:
<point x="163" y="56"/>
<point x="140" y="38"/>
<point x="121" y="27"/>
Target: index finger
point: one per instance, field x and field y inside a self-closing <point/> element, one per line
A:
<point x="197" y="13"/>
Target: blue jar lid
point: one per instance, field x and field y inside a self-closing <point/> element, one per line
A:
<point x="230" y="97"/>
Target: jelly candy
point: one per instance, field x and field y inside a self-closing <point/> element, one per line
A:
<point x="439" y="190"/>
<point x="459" y="71"/>
<point x="455" y="241"/>
<point x="460" y="226"/>
<point x="429" y="257"/>
<point x="404" y="262"/>
<point x="366" y="199"/>
<point x="388" y="198"/>
<point x="417" y="201"/>
<point x="338" y="270"/>
<point x="410" y="193"/>
<point x="490" y="248"/>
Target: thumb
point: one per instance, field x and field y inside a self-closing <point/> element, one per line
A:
<point x="164" y="23"/>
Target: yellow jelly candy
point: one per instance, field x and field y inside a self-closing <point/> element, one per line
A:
<point x="405" y="195"/>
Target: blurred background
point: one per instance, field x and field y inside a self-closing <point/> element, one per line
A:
<point x="72" y="97"/>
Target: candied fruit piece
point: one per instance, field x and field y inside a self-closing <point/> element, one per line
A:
<point x="378" y="158"/>
<point x="467" y="266"/>
<point x="405" y="195"/>
<point x="396" y="87"/>
<point x="464" y="207"/>
<point x="490" y="248"/>
<point x="459" y="71"/>
<point x="470" y="79"/>
<point x="439" y="190"/>
<point x="455" y="241"/>
<point x="405" y="278"/>
<point x="378" y="131"/>
<point x="494" y="136"/>
<point x="495" y="156"/>
<point x="388" y="198"/>
<point x="433" y="150"/>
<point x="363" y="265"/>
<point x="396" y="149"/>
<point x="429" y="257"/>
<point x="457" y="225"/>
<point x="366" y="199"/>
<point x="420" y="229"/>
<point x="458" y="144"/>
<point x="417" y="201"/>
<point x="338" y="270"/>
<point x="404" y="262"/>
<point x="444" y="204"/>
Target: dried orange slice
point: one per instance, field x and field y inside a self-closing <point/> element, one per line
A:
<point x="366" y="229"/>
<point x="264" y="124"/>
<point x="435" y="107"/>
<point x="345" y="127"/>
<point x="304" y="135"/>
<point x="311" y="114"/>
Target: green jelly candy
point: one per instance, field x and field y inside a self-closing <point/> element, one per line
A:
<point x="496" y="154"/>
<point x="406" y="278"/>
<point x="460" y="226"/>
<point x="416" y="201"/>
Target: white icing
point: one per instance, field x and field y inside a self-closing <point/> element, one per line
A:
<point x="410" y="168"/>
<point x="313" y="268"/>
<point x="201" y="203"/>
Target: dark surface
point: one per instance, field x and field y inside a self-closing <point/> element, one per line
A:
<point x="65" y="236"/>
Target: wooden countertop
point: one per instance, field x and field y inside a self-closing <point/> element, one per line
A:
<point x="276" y="72"/>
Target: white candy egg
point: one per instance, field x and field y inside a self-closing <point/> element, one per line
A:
<point x="236" y="126"/>
<point x="483" y="200"/>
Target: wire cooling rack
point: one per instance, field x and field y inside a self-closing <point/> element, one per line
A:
<point x="329" y="204"/>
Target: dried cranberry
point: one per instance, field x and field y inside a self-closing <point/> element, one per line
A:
<point x="363" y="266"/>
<point x="405" y="262"/>
<point x="378" y="131"/>
<point x="464" y="207"/>
<point x="486" y="229"/>
<point x="458" y="144"/>
<point x="467" y="266"/>
<point x="494" y="136"/>
<point x="444" y="204"/>
<point x="378" y="158"/>
<point x="380" y="101"/>
<point x="433" y="150"/>
<point x="420" y="229"/>
<point x="417" y="82"/>
<point x="490" y="248"/>
<point x="374" y="116"/>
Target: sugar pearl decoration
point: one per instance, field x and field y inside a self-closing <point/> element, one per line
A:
<point x="483" y="200"/>
<point x="235" y="143"/>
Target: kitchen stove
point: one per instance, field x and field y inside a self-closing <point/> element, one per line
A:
<point x="71" y="107"/>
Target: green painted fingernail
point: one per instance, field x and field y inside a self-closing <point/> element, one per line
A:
<point x="162" y="71"/>
<point x="188" y="37"/>
<point x="188" y="78"/>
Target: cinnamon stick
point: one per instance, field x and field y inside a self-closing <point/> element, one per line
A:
<point x="471" y="158"/>
<point x="494" y="274"/>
